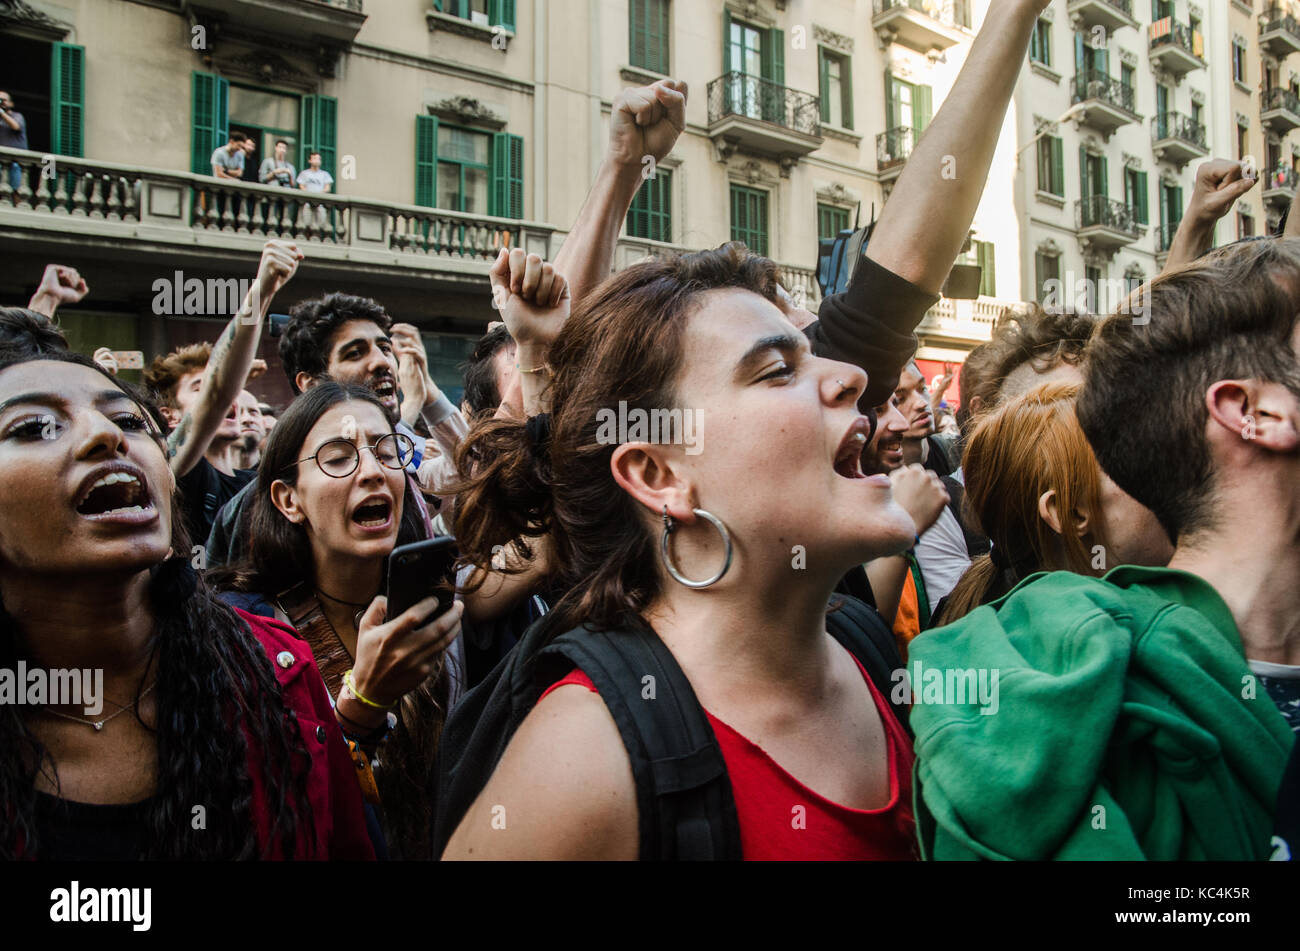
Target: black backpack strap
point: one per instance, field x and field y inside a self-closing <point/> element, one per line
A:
<point x="864" y="634"/>
<point x="684" y="798"/>
<point x="976" y="544"/>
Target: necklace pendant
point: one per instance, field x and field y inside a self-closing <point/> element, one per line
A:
<point x="99" y="725"/>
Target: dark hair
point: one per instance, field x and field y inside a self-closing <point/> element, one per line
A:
<point x="163" y="375"/>
<point x="283" y="142"/>
<point x="213" y="677"/>
<point x="237" y="136"/>
<point x="1228" y="315"/>
<point x="279" y="558"/>
<point x="625" y="341"/>
<point x="313" y="152"/>
<point x="30" y="331"/>
<point x="306" y="339"/>
<point x="481" y="390"/>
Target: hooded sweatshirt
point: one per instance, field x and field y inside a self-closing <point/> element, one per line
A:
<point x="1127" y="725"/>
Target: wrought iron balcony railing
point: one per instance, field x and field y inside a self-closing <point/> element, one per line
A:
<point x="1282" y="178"/>
<point x="1124" y="6"/>
<point x="893" y="146"/>
<point x="1095" y="84"/>
<point x="1279" y="97"/>
<point x="1169" y="32"/>
<point x="949" y="12"/>
<point x="1100" y="211"/>
<point x="1277" y="19"/>
<point x="740" y="94"/>
<point x="1175" y="125"/>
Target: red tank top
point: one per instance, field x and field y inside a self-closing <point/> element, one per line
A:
<point x="781" y="819"/>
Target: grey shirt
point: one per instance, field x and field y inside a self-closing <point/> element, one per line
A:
<point x="11" y="139"/>
<point x="232" y="162"/>
<point x="266" y="174"/>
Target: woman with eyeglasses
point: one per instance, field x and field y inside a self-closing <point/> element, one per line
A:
<point x="331" y="494"/>
<point x="204" y="733"/>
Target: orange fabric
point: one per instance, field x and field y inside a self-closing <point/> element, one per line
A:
<point x="907" y="622"/>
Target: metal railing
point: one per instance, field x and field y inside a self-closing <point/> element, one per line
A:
<point x="1277" y="19"/>
<point x="948" y="12"/>
<point x="1176" y="125"/>
<point x="1123" y="6"/>
<point x="893" y="146"/>
<point x="1169" y="32"/>
<point x="1282" y="178"/>
<point x="740" y="94"/>
<point x="1095" y="84"/>
<point x="1279" y="97"/>
<point x="185" y="204"/>
<point x="1100" y="211"/>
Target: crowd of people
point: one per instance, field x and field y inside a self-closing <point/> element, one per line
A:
<point x="742" y="649"/>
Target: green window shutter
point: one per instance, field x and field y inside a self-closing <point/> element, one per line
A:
<point x="502" y="13"/>
<point x="1178" y="205"/>
<point x="320" y="131"/>
<point x="1085" y="188"/>
<point x="984" y="258"/>
<point x="1035" y="53"/>
<point x="1142" y="215"/>
<point x="726" y="40"/>
<point x="846" y="89"/>
<point x="1105" y="179"/>
<point x="67" y="99"/>
<point x="1058" y="167"/>
<point x="824" y="83"/>
<point x="506" y="196"/>
<point x="776" y="43"/>
<point x="426" y="161"/>
<point x="208" y="127"/>
<point x="921" y="107"/>
<point x="891" y="102"/>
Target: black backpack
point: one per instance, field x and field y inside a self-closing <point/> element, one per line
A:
<point x="684" y="795"/>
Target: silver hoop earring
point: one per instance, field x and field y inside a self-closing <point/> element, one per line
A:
<point x="667" y="558"/>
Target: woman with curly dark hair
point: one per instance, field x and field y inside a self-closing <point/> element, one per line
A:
<point x="213" y="737"/>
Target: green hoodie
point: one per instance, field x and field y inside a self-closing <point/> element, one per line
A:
<point x="1128" y="726"/>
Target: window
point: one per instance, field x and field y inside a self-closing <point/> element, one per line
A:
<point x="651" y="214"/>
<point x="1171" y="213"/>
<point x="1047" y="273"/>
<point x="1162" y="100"/>
<point x="1133" y="279"/>
<point x="749" y="218"/>
<point x="1092" y="278"/>
<point x="1051" y="165"/>
<point x="836" y="90"/>
<point x="1241" y="141"/>
<point x="482" y="12"/>
<point x="1093" y="177"/>
<point x="907" y="106"/>
<point x="648" y="34"/>
<point x="1197" y="113"/>
<point x="831" y="221"/>
<point x="988" y="271"/>
<point x="1040" y="43"/>
<point x="1161" y="9"/>
<point x="465" y="170"/>
<point x="1239" y="61"/>
<point x="1245" y="225"/>
<point x="1127" y="75"/>
<point x="758" y="56"/>
<point x="1135" y="194"/>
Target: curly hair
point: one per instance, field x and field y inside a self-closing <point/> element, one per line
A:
<point x="305" y="341"/>
<point x="214" y="677"/>
<point x="164" y="374"/>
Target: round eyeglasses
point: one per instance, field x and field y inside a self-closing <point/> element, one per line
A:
<point x="339" y="458"/>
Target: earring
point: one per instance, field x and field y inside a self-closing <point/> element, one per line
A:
<point x="667" y="558"/>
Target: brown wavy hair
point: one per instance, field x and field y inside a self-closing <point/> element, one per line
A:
<point x="625" y="341"/>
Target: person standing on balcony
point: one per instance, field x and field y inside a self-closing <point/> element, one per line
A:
<point x="277" y="171"/>
<point x="316" y="179"/>
<point x="13" y="135"/>
<point x="228" y="160"/>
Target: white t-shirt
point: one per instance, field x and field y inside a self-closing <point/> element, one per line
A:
<point x="315" y="179"/>
<point x="941" y="553"/>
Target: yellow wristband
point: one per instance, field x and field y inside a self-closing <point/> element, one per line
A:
<point x="543" y="368"/>
<point x="351" y="685"/>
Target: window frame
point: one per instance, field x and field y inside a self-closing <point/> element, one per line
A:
<point x="439" y="160"/>
<point x="738" y="233"/>
<point x="641" y="212"/>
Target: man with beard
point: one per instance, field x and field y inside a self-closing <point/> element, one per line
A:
<point x="251" y="431"/>
<point x="919" y="444"/>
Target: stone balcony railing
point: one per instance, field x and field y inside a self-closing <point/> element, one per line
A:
<point x="150" y="206"/>
<point x="964" y="320"/>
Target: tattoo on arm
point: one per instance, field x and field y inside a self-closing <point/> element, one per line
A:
<point x="179" y="435"/>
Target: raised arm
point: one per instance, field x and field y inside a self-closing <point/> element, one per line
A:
<point x="1219" y="183"/>
<point x="232" y="358"/>
<point x="59" y="285"/>
<point x="926" y="220"/>
<point x="644" y="121"/>
<point x="533" y="298"/>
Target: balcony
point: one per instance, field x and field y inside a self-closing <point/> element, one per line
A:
<point x="135" y="213"/>
<point x="757" y="115"/>
<point x="336" y="22"/>
<point x="962" y="323"/>
<point x="1279" y="33"/>
<point x="892" y="150"/>
<point x="1107" y="102"/>
<point x="801" y="282"/>
<point x="1175" y="48"/>
<point x="1176" y="138"/>
<point x="922" y="25"/>
<point x="1110" y="15"/>
<point x="1105" y="224"/>
<point x="1279" y="109"/>
<point x="1279" y="187"/>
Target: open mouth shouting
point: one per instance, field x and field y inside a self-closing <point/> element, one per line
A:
<point x="385" y="387"/>
<point x="116" y="493"/>
<point x="848" y="458"/>
<point x="374" y="514"/>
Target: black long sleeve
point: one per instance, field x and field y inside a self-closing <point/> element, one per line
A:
<point x="871" y="324"/>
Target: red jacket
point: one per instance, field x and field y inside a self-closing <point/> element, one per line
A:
<point x="338" y="820"/>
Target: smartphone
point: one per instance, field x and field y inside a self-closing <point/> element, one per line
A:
<point x="419" y="570"/>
